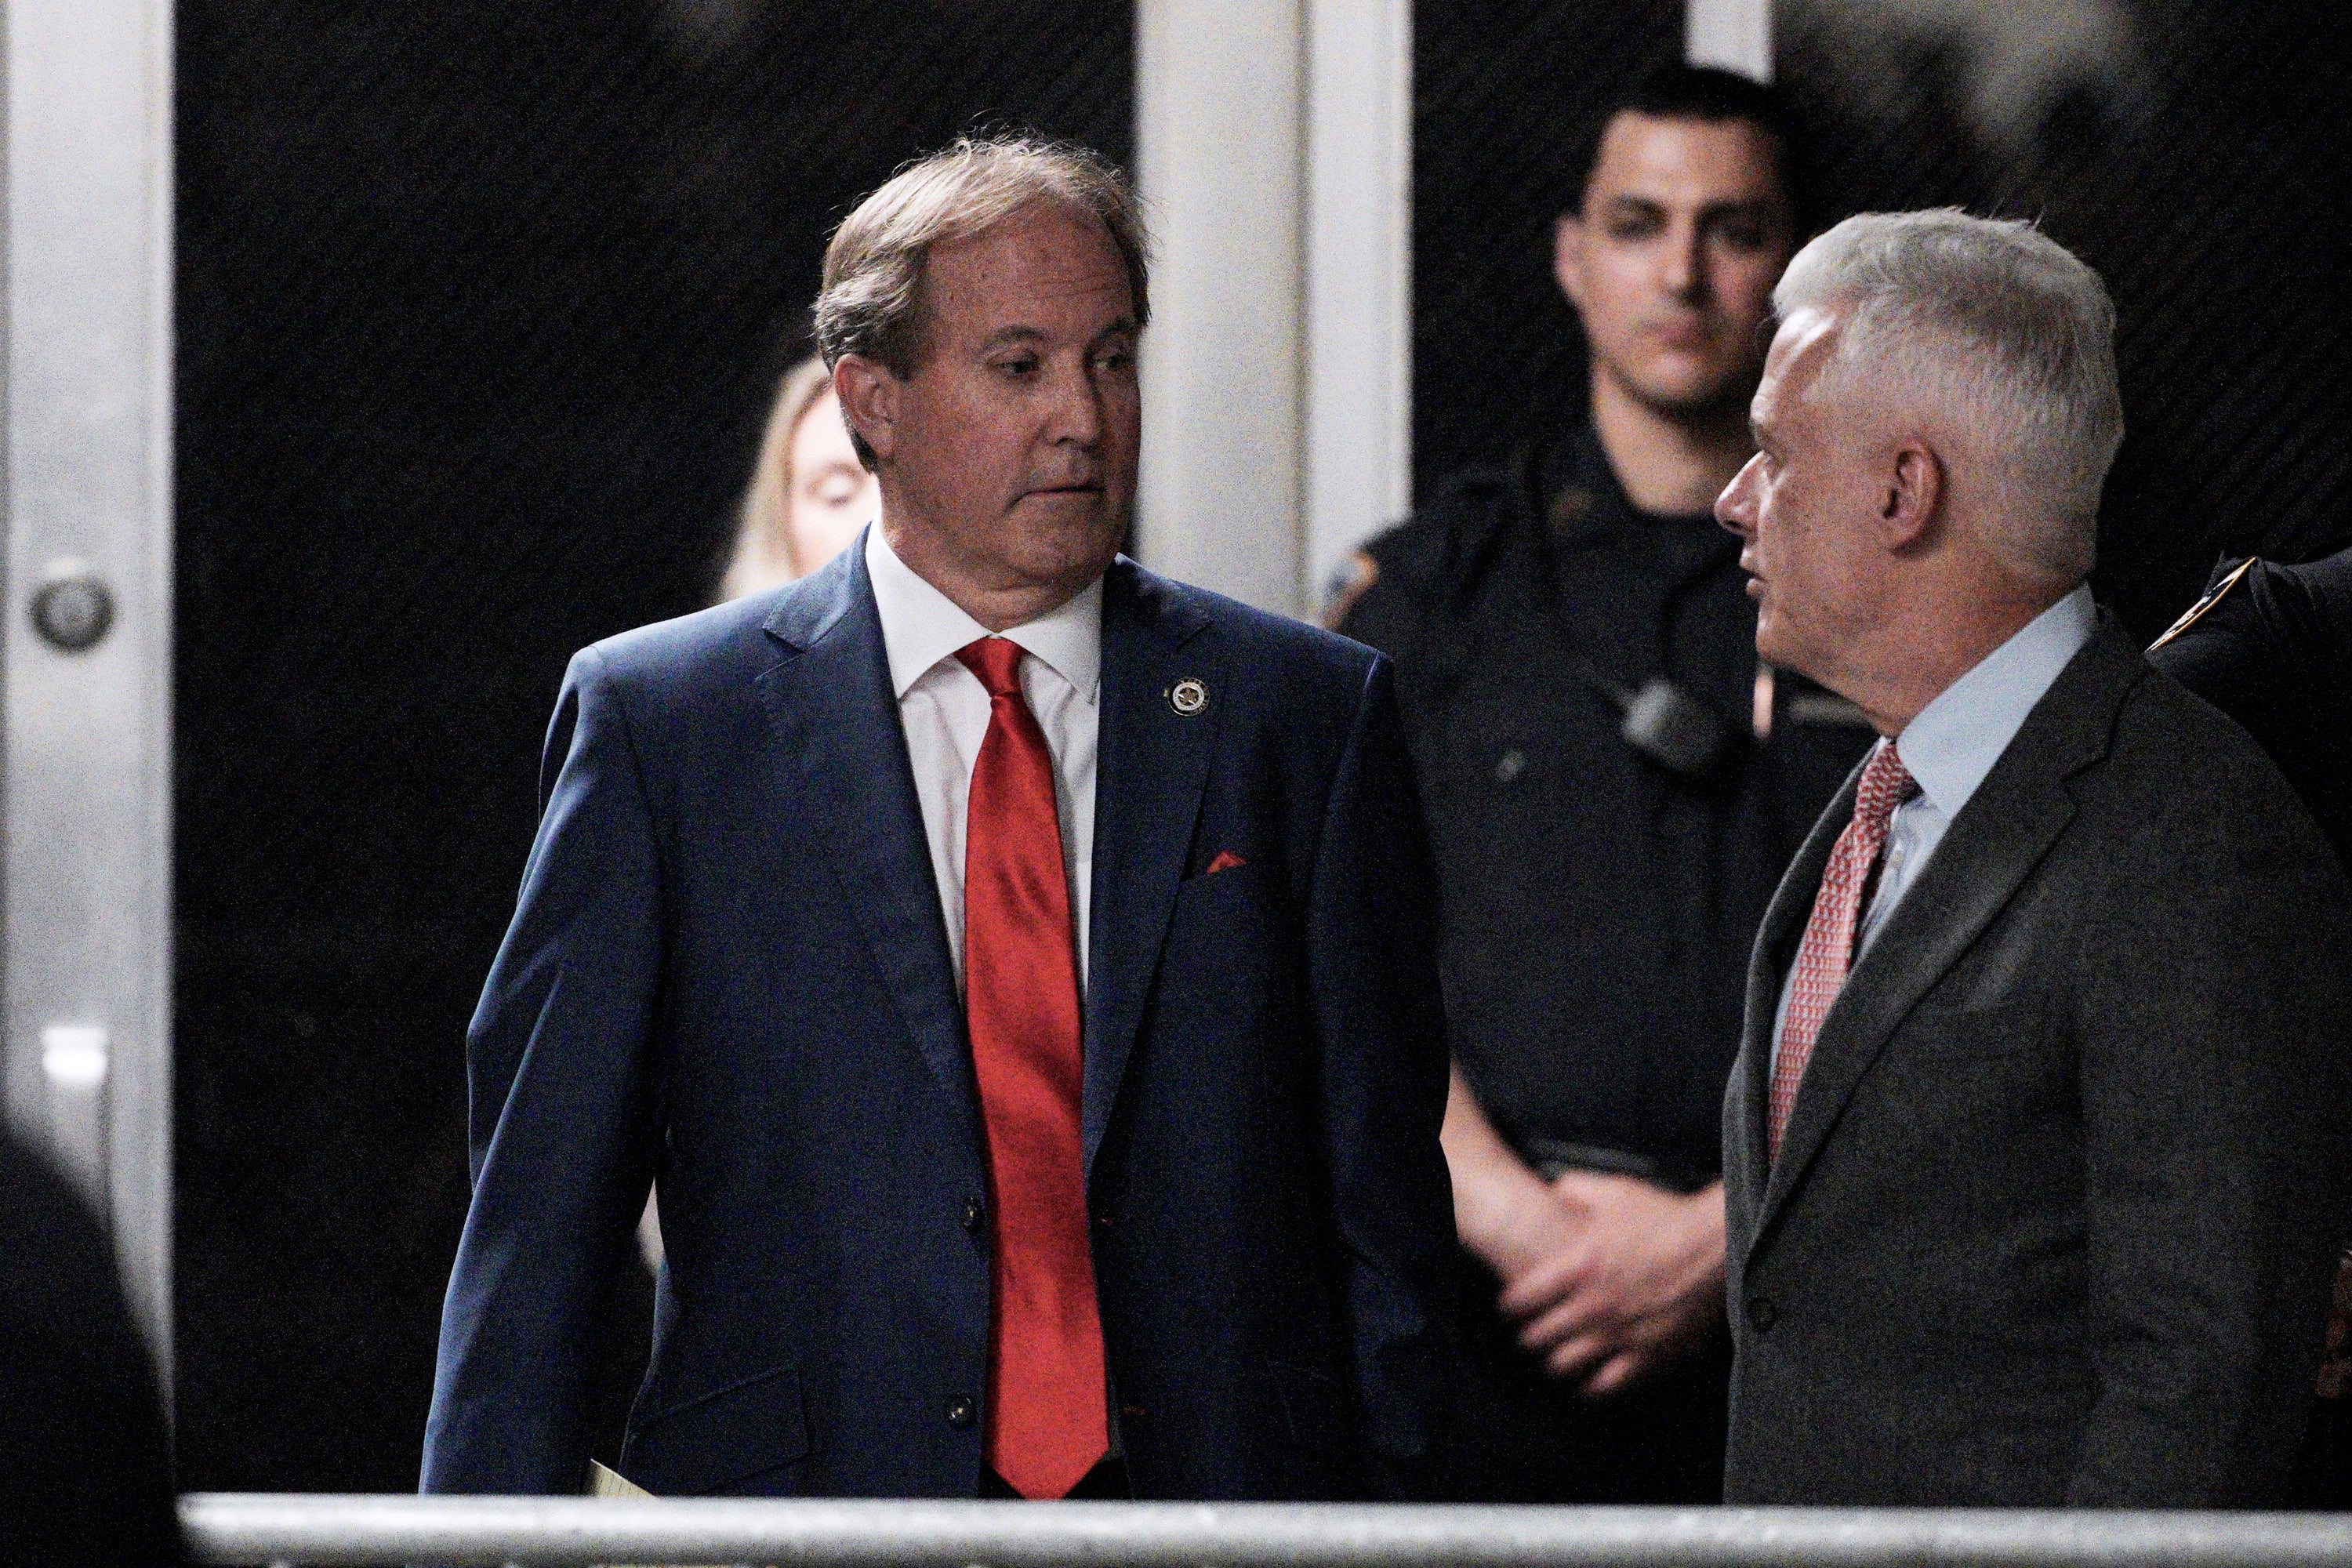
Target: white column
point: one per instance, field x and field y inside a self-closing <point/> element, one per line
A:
<point x="85" y="875"/>
<point x="1273" y="146"/>
<point x="1736" y="35"/>
<point x="1359" y="278"/>
<point x="1218" y="99"/>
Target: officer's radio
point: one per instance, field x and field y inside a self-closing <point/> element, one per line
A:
<point x="1665" y="723"/>
<point x="1670" y="726"/>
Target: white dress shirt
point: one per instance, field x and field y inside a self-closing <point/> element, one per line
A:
<point x="944" y="710"/>
<point x="1949" y="747"/>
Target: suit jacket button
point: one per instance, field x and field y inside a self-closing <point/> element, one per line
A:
<point x="975" y="1214"/>
<point x="961" y="1413"/>
<point x="1762" y="1314"/>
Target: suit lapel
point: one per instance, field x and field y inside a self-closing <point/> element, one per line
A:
<point x="836" y="722"/>
<point x="1775" y="950"/>
<point x="1986" y="855"/>
<point x="1153" y="763"/>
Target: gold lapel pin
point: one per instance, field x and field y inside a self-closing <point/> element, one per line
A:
<point x="1189" y="697"/>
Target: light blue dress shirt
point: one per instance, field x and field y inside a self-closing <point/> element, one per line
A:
<point x="1952" y="744"/>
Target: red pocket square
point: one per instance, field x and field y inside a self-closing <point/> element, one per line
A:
<point x="1226" y="861"/>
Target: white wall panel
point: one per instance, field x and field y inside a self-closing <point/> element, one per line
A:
<point x="1219" y="88"/>
<point x="1359" y="391"/>
<point x="1274" y="144"/>
<point x="1736" y="35"/>
<point x="85" y="878"/>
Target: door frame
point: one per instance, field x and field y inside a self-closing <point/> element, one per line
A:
<point x="85" y="658"/>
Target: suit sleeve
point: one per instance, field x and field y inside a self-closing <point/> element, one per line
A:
<point x="2215" y="1026"/>
<point x="1372" y="975"/>
<point x="560" y="1124"/>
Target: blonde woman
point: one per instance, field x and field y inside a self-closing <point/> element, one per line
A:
<point x="809" y="495"/>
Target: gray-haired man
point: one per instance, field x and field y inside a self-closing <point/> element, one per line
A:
<point x="1014" y="969"/>
<point x="2034" y="1147"/>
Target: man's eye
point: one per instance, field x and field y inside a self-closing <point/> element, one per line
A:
<point x="1115" y="362"/>
<point x="1633" y="228"/>
<point x="1016" y="369"/>
<point x="1740" y="234"/>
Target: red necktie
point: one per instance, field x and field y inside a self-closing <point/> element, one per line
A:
<point x="1827" y="951"/>
<point x="1047" y="1416"/>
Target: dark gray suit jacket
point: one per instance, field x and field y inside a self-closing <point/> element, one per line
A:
<point x="2054" y="1216"/>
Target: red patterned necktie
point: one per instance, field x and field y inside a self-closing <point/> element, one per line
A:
<point x="1048" y="1421"/>
<point x="1827" y="951"/>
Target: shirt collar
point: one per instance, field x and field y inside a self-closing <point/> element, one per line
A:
<point x="1955" y="740"/>
<point x="921" y="625"/>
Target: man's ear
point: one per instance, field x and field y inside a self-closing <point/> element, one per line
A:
<point x="1568" y="258"/>
<point x="1912" y="501"/>
<point x="869" y="397"/>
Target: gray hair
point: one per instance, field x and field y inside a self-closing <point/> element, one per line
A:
<point x="872" y="300"/>
<point x="2010" y="331"/>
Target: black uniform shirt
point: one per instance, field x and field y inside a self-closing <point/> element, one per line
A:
<point x="1598" y="909"/>
<point x="2271" y="645"/>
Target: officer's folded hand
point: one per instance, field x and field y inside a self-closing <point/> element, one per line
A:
<point x="1636" y="1283"/>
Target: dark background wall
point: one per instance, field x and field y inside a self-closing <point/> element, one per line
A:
<point x="478" y="310"/>
<point x="2179" y="148"/>
<point x="479" y="307"/>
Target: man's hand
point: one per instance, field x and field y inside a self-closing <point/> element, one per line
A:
<point x="1609" y="1276"/>
<point x="1640" y="1283"/>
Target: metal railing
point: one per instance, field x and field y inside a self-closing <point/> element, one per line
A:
<point x="566" y="1532"/>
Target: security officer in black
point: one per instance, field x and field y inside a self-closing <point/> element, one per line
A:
<point x="1613" y="787"/>
<point x="2271" y="645"/>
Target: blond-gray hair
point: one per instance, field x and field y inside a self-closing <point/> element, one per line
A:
<point x="766" y="555"/>
<point x="2005" y="326"/>
<point x="872" y="300"/>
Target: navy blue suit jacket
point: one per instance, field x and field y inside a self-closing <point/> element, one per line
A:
<point x="727" y="973"/>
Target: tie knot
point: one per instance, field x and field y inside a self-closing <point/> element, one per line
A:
<point x="997" y="663"/>
<point x="1885" y="784"/>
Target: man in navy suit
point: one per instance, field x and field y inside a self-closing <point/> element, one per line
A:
<point x="1014" y="969"/>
